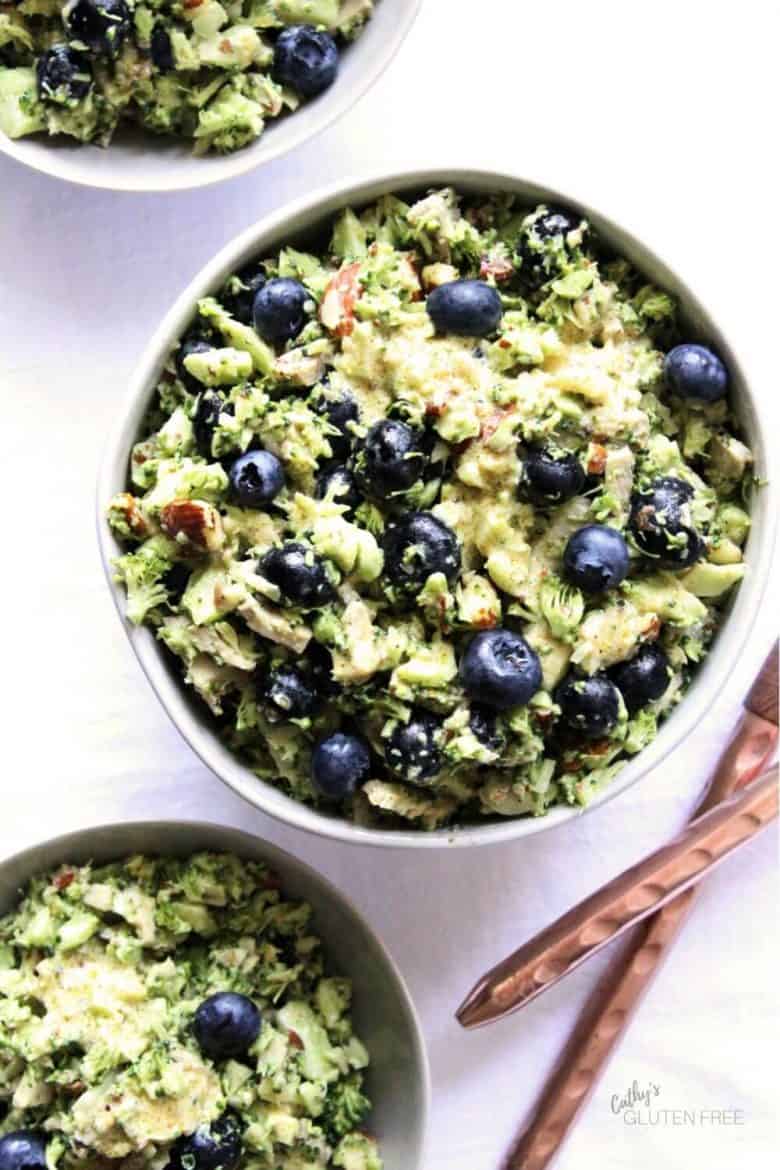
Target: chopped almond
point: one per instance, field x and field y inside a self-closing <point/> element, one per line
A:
<point x="337" y="311"/>
<point x="193" y="523"/>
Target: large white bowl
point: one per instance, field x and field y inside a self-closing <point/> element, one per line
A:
<point x="138" y="161"/>
<point x="398" y="1081"/>
<point x="298" y="220"/>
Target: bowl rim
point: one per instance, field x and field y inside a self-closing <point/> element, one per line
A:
<point x="269" y="231"/>
<point x="278" y="858"/>
<point x="65" y="163"/>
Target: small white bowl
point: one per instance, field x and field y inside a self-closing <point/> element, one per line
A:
<point x="297" y="221"/>
<point x="398" y="1080"/>
<point x="139" y="161"/>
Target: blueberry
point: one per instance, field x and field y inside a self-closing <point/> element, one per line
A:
<point x="24" y="1149"/>
<point x="205" y="420"/>
<point x="694" y="371"/>
<point x="161" y="49"/>
<point x="176" y="581"/>
<point x="554" y="221"/>
<point x="299" y="575"/>
<point x="340" y="409"/>
<point x="417" y="545"/>
<point x="279" y="309"/>
<point x="212" y="1147"/>
<point x="226" y="1024"/>
<point x="239" y="294"/>
<point x="548" y="478"/>
<point x="339" y="483"/>
<point x="390" y="459"/>
<point x="482" y="722"/>
<point x="469" y="308"/>
<point x="596" y="558"/>
<point x="306" y="59"/>
<point x="101" y="24"/>
<point x="287" y="689"/>
<point x="412" y="750"/>
<point x="588" y="705"/>
<point x="255" y="479"/>
<point x="339" y="764"/>
<point x="64" y="75"/>
<point x="499" y="669"/>
<point x="318" y="664"/>
<point x="642" y="678"/>
<point x="191" y="344"/>
<point x="541" y="261"/>
<point x="661" y="525"/>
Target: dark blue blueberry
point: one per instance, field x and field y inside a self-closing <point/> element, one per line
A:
<point x="287" y="689"/>
<point x="24" y="1149"/>
<point x="596" y="558"/>
<point x="554" y="221"/>
<point x="694" y="371"/>
<point x="469" y="308"/>
<point x="318" y="663"/>
<point x="279" y="309"/>
<point x="339" y="764"/>
<point x="417" y="545"/>
<point x="340" y="408"/>
<point x="306" y="59"/>
<point x="255" y="479"/>
<point x="176" y="581"/>
<point x="209" y="406"/>
<point x="64" y="75"/>
<point x="499" y="669"/>
<point x="239" y="294"/>
<point x="412" y="751"/>
<point x="660" y="523"/>
<point x="548" y="478"/>
<point x="191" y="344"/>
<point x="390" y="459"/>
<point x="226" y="1025"/>
<point x="101" y="24"/>
<point x="212" y="1147"/>
<point x="643" y="678"/>
<point x="161" y="49"/>
<point x="298" y="574"/>
<point x="482" y="722"/>
<point x="589" y="705"/>
<point x="339" y="483"/>
<point x="538" y="262"/>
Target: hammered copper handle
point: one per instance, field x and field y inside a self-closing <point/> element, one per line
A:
<point x="596" y="1034"/>
<point x="762" y="699"/>
<point x="612" y="1005"/>
<point x="626" y="900"/>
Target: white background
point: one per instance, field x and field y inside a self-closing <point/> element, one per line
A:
<point x="659" y="114"/>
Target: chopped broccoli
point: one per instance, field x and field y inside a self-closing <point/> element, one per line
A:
<point x="142" y="573"/>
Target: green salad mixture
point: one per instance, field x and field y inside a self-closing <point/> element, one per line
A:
<point x="439" y="515"/>
<point x="203" y="70"/>
<point x="174" y="1014"/>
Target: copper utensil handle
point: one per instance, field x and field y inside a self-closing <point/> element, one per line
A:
<point x="632" y="896"/>
<point x="616" y="998"/>
<point x="763" y="699"/>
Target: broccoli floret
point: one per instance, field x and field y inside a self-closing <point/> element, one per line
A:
<point x="142" y="574"/>
<point x="356" y="1151"/>
<point x="562" y="606"/>
<point x="346" y="1106"/>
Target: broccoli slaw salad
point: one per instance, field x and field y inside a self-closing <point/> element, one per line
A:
<point x="209" y="72"/>
<point x="174" y="1015"/>
<point x="437" y="517"/>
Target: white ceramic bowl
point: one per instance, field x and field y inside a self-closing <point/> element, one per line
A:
<point x="398" y="1081"/>
<point x="295" y="221"/>
<point x="137" y="161"/>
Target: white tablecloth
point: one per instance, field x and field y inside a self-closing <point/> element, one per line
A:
<point x="659" y="115"/>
